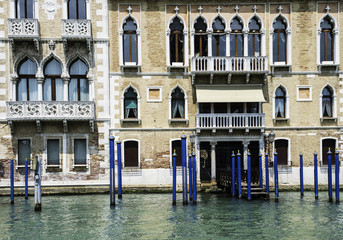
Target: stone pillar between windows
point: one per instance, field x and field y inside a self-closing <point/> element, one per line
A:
<point x="245" y="42"/>
<point x="318" y="46"/>
<point x="213" y="164"/>
<point x="209" y="43"/>
<point x="336" y="45"/>
<point x="139" y="42"/>
<point x="227" y="43"/>
<point x="121" y="56"/>
<point x="185" y="46"/>
<point x="40" y="81"/>
<point x="271" y="32"/>
<point x="66" y="79"/>
<point x="14" y="79"/>
<point x="90" y="77"/>
<point x="289" y="46"/>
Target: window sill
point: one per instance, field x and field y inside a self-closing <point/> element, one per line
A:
<point x="130" y="65"/>
<point x="280" y="67"/>
<point x="280" y="120"/>
<point x="132" y="120"/>
<point x="23" y="166"/>
<point x="329" y="119"/>
<point x="175" y="120"/>
<point x="53" y="166"/>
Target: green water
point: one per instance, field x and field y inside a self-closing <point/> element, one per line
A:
<point x="151" y="216"/>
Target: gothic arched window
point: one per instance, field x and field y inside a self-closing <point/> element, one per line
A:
<point x="254" y="38"/>
<point x="279" y="40"/>
<point x="200" y="38"/>
<point x="130" y="41"/>
<point x="326" y="40"/>
<point x="236" y="38"/>
<point x="78" y="85"/>
<point x="27" y="87"/>
<point x="53" y="84"/>
<point x="176" y="41"/>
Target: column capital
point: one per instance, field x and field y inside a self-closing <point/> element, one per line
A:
<point x="14" y="77"/>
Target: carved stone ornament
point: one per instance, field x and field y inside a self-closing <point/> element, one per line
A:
<point x="50" y="7"/>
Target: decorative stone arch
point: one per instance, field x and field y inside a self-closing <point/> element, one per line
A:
<point x="245" y="32"/>
<point x="263" y="35"/>
<point x="185" y="99"/>
<point x="20" y="59"/>
<point x="121" y="43"/>
<point x="255" y="15"/>
<point x="334" y="102"/>
<point x="288" y="39"/>
<point x="240" y="19"/>
<point x="193" y="31"/>
<point x="335" y="40"/>
<point x="222" y="18"/>
<point x="138" y="101"/>
<point x="75" y="57"/>
<point x="289" y="156"/>
<point x="138" y="151"/>
<point x="286" y="102"/>
<point x="50" y="56"/>
<point x="226" y="30"/>
<point x="185" y="45"/>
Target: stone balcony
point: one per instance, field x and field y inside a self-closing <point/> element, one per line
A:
<point x="50" y="111"/>
<point x="24" y="29"/>
<point x="230" y="121"/>
<point x="76" y="29"/>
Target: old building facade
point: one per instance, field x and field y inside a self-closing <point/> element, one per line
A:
<point x="74" y="72"/>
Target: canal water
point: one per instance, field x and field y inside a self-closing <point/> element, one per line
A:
<point x="151" y="216"/>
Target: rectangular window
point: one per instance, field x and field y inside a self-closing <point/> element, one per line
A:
<point x="131" y="154"/>
<point x="281" y="146"/>
<point x="236" y="107"/>
<point x="326" y="145"/>
<point x="176" y="145"/>
<point x="80" y="152"/>
<point x="253" y="108"/>
<point x="220" y="108"/>
<point x="24" y="151"/>
<point x="53" y="151"/>
<point x="154" y="94"/>
<point x="204" y="107"/>
<point x="24" y="9"/>
<point x="304" y="93"/>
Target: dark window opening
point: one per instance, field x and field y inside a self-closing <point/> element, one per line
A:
<point x="130" y="104"/>
<point x="77" y="9"/>
<point x="281" y="147"/>
<point x="24" y="9"/>
<point x="176" y="41"/>
<point x="176" y="145"/>
<point x="53" y="151"/>
<point x="80" y="151"/>
<point x="130" y="41"/>
<point x="78" y="85"/>
<point x="327" y="102"/>
<point x="131" y="153"/>
<point x="24" y="151"/>
<point x="326" y="40"/>
<point x="326" y="145"/>
<point x="178" y="104"/>
<point x="279" y="40"/>
<point x="280" y="103"/>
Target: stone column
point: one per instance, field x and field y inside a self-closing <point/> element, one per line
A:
<point x="213" y="164"/>
<point x="40" y="81"/>
<point x="245" y="154"/>
<point x="14" y="79"/>
<point x="289" y="46"/>
<point x="65" y="78"/>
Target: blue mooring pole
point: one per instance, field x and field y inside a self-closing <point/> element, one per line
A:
<point x="120" y="195"/>
<point x="260" y="169"/>
<point x="174" y="178"/>
<point x="276" y="180"/>
<point x="315" y="176"/>
<point x="249" y="175"/>
<point x="184" y="170"/>
<point x="37" y="167"/>
<point x="26" y="180"/>
<point x="233" y="173"/>
<point x="190" y="177"/>
<point x="239" y="174"/>
<point x="12" y="182"/>
<point x="194" y="180"/>
<point x="267" y="173"/>
<point x="330" y="175"/>
<point x="337" y="175"/>
<point x="112" y="174"/>
<point x="301" y="175"/>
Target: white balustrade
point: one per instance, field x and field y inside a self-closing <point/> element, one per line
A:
<point x="50" y="110"/>
<point x="23" y="28"/>
<point x="76" y="28"/>
<point x="231" y="120"/>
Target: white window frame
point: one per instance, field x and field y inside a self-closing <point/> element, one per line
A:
<point x="17" y="153"/>
<point x="321" y="149"/>
<point x="193" y="34"/>
<point x="65" y="9"/>
<point x="45" y="152"/>
<point x="172" y="151"/>
<point x="35" y="9"/>
<point x="334" y="104"/>
<point x="185" y="119"/>
<point x="123" y="153"/>
<point x="87" y="165"/>
<point x="286" y="107"/>
<point x="309" y="87"/>
<point x="154" y="87"/>
<point x="289" y="159"/>
<point x="123" y="119"/>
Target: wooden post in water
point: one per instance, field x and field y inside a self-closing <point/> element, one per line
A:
<point x="315" y="176"/>
<point x="267" y="173"/>
<point x="233" y="174"/>
<point x="12" y="182"/>
<point x="337" y="175"/>
<point x="239" y="174"/>
<point x="301" y="175"/>
<point x="330" y="175"/>
<point x="194" y="179"/>
<point x="112" y="174"/>
<point x="276" y="178"/>
<point x="260" y="169"/>
<point x="120" y="195"/>
<point x="249" y="175"/>
<point x="174" y="178"/>
<point x="184" y="169"/>
<point x="190" y="177"/>
<point x="38" y="183"/>
<point x="26" y="179"/>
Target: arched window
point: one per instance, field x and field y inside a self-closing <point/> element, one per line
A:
<point x="236" y="38"/>
<point x="200" y="38"/>
<point x="219" y="38"/>
<point x="77" y="9"/>
<point x="24" y="8"/>
<point x="279" y="41"/>
<point x="130" y="104"/>
<point x="27" y="87"/>
<point x="254" y="38"/>
<point x="78" y="85"/>
<point x="53" y="84"/>
<point x="326" y="40"/>
<point x="130" y="41"/>
<point x="327" y="102"/>
<point x="176" y="41"/>
<point x="280" y="103"/>
<point x="178" y="104"/>
<point x="131" y="154"/>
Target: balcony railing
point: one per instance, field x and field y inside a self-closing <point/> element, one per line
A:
<point x="230" y="121"/>
<point x="229" y="64"/>
<point x="50" y="110"/>
<point x="23" y="28"/>
<point x="76" y="28"/>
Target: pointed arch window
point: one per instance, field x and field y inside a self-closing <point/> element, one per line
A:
<point x="27" y="86"/>
<point x="178" y="104"/>
<point x="219" y="38"/>
<point x="78" y="85"/>
<point x="236" y="38"/>
<point x="77" y="9"/>
<point x="130" y="41"/>
<point x="24" y="8"/>
<point x="280" y="103"/>
<point x="327" y="102"/>
<point x="254" y="38"/>
<point x="176" y="40"/>
<point x="279" y="40"/>
<point x="130" y="104"/>
<point x="53" y="84"/>
<point x="200" y="38"/>
<point x="326" y="40"/>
